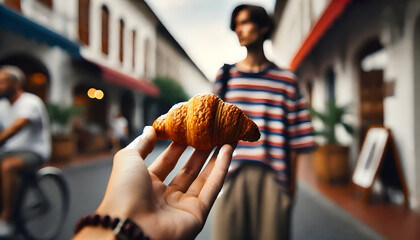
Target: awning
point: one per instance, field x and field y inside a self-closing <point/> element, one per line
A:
<point x="333" y="10"/>
<point x="128" y="82"/>
<point x="10" y="20"/>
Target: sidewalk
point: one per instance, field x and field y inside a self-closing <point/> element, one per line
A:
<point x="318" y="218"/>
<point x="82" y="158"/>
<point x="390" y="221"/>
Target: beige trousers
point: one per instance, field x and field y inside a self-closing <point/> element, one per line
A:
<point x="252" y="206"/>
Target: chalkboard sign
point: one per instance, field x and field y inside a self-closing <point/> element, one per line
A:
<point x="377" y="148"/>
<point x="370" y="157"/>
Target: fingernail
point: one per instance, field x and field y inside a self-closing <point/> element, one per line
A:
<point x="144" y="135"/>
<point x="146" y="131"/>
<point x="133" y="144"/>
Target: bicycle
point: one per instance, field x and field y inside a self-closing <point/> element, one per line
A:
<point x="42" y="204"/>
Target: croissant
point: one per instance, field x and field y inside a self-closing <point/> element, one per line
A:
<point x="205" y="121"/>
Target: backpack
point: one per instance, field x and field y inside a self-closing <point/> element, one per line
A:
<point x="225" y="78"/>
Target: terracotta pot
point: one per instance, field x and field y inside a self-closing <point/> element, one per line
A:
<point x="63" y="148"/>
<point x="331" y="163"/>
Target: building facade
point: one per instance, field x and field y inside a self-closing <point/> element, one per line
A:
<point x="67" y="48"/>
<point x="363" y="53"/>
<point x="170" y="62"/>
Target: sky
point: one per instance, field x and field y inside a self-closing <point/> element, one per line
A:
<point x="201" y="27"/>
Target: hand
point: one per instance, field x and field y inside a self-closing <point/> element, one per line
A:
<point x="176" y="211"/>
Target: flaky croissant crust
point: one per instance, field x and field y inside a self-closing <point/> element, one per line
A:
<point x="205" y="121"/>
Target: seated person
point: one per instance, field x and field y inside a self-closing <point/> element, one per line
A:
<point x="25" y="142"/>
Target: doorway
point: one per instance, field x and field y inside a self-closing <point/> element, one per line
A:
<point x="371" y="86"/>
<point x="37" y="75"/>
<point x="127" y="108"/>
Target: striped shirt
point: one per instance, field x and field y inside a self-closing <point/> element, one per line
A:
<point x="272" y="100"/>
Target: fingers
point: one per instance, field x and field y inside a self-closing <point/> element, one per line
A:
<point x="190" y="170"/>
<point x="210" y="181"/>
<point x="215" y="179"/>
<point x="198" y="183"/>
<point x="145" y="143"/>
<point x="166" y="161"/>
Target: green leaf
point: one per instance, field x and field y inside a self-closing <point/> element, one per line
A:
<point x="317" y="114"/>
<point x="61" y="114"/>
<point x="348" y="128"/>
<point x="171" y="91"/>
<point x="330" y="118"/>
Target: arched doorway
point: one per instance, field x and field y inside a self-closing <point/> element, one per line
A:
<point x="90" y="129"/>
<point x="127" y="108"/>
<point x="37" y="75"/>
<point x="371" y="85"/>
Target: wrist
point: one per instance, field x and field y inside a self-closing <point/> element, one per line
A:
<point x="145" y="221"/>
<point x="106" y="227"/>
<point x="95" y="232"/>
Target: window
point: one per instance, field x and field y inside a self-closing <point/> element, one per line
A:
<point x="330" y="81"/>
<point x="48" y="3"/>
<point x="14" y="4"/>
<point x="134" y="48"/>
<point x="121" y="40"/>
<point x="84" y="21"/>
<point x="146" y="54"/>
<point x="105" y="30"/>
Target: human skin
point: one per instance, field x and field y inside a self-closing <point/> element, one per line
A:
<point x="175" y="211"/>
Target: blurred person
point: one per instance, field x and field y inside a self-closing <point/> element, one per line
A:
<point x="119" y="132"/>
<point x="25" y="142"/>
<point x="256" y="199"/>
<point x="175" y="211"/>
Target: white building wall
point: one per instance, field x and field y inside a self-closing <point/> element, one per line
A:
<point x="167" y="62"/>
<point x="400" y="109"/>
<point x="193" y="81"/>
<point x="54" y="59"/>
<point x="172" y="63"/>
<point x="298" y="18"/>
<point x="416" y="107"/>
<point x="134" y="19"/>
<point x="61" y="18"/>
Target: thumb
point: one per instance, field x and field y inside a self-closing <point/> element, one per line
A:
<point x="145" y="143"/>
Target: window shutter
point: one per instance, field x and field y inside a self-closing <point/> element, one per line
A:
<point x="84" y="21"/>
<point x="105" y="30"/>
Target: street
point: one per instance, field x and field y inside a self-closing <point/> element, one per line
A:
<point x="314" y="216"/>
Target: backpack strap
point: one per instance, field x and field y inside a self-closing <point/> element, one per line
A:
<point x="225" y="78"/>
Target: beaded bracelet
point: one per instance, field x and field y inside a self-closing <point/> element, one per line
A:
<point x="124" y="229"/>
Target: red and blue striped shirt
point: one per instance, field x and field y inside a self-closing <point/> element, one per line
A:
<point x="272" y="100"/>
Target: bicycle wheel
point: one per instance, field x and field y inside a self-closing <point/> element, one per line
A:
<point x="44" y="205"/>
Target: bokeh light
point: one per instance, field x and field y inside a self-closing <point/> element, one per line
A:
<point x="91" y="93"/>
<point x="99" y="94"/>
<point x="38" y="79"/>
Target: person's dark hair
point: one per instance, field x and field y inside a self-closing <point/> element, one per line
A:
<point x="257" y="15"/>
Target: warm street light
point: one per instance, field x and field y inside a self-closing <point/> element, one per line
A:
<point x="99" y="94"/>
<point x="95" y="93"/>
<point x="91" y="93"/>
<point x="38" y="78"/>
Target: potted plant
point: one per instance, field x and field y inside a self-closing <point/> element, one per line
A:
<point x="63" y="141"/>
<point x="331" y="162"/>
